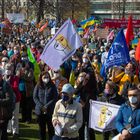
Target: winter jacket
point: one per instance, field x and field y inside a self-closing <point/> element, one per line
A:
<point x="45" y="97"/>
<point x="7" y="101"/>
<point x="126" y="116"/>
<point x="70" y="117"/>
<point x="114" y="99"/>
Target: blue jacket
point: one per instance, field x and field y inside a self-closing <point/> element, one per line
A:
<point x="45" y="97"/>
<point x="128" y="116"/>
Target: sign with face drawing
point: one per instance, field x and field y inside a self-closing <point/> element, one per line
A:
<point x="61" y="46"/>
<point x="102" y="116"/>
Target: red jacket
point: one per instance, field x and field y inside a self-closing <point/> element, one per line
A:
<point x="14" y="82"/>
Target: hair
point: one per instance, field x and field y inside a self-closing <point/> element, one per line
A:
<point x="113" y="85"/>
<point x="40" y="82"/>
<point x="133" y="87"/>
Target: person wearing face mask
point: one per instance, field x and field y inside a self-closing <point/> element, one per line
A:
<point x="45" y="96"/>
<point x="104" y="55"/>
<point x="13" y="125"/>
<point x="27" y="79"/>
<point x="6" y="106"/>
<point x="59" y="81"/>
<point x="86" y="89"/>
<point x="4" y="61"/>
<point x="67" y="116"/>
<point x="86" y="65"/>
<point x="127" y="120"/>
<point x="110" y="95"/>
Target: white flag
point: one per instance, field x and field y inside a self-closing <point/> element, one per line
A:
<point x="102" y="116"/>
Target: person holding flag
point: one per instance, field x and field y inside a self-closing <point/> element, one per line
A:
<point x="119" y="56"/>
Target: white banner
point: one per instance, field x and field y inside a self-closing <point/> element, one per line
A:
<point x="16" y="17"/>
<point x="102" y="116"/>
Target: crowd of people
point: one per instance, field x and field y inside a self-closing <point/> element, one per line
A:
<point x="61" y="104"/>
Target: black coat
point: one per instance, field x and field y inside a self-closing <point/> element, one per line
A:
<point x="113" y="99"/>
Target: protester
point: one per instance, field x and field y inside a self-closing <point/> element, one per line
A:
<point x="88" y="70"/>
<point x="67" y="116"/>
<point x="45" y="97"/>
<point x="13" y="80"/>
<point x="86" y="89"/>
<point x="59" y="81"/>
<point x="127" y="121"/>
<point x="27" y="84"/>
<point x="7" y="104"/>
<point x="111" y="95"/>
<point x="129" y="76"/>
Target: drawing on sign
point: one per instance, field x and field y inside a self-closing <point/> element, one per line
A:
<point x="104" y="116"/>
<point x="62" y="44"/>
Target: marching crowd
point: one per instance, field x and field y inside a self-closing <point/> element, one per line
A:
<point x="60" y="102"/>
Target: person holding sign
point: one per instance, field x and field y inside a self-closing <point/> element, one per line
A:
<point x="110" y="95"/>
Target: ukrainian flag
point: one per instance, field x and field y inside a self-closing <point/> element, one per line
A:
<point x="88" y="22"/>
<point x="83" y="23"/>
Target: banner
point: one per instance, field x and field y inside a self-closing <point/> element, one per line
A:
<point x="119" y="23"/>
<point x="102" y="33"/>
<point x="102" y="116"/>
<point x="16" y="17"/>
<point x="118" y="53"/>
<point x="62" y="46"/>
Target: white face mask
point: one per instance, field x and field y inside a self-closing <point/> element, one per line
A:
<point x="133" y="100"/>
<point x="85" y="60"/>
<point x="56" y="75"/>
<point x="15" y="51"/>
<point x="3" y="63"/>
<point x="46" y="80"/>
<point x="95" y="60"/>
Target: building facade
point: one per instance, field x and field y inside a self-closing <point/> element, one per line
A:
<point x="115" y="8"/>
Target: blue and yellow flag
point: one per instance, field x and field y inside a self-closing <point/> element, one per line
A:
<point x="88" y="22"/>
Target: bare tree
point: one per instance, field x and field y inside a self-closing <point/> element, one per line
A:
<point x="60" y="8"/>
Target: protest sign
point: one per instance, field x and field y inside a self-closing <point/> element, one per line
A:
<point x="102" y="116"/>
